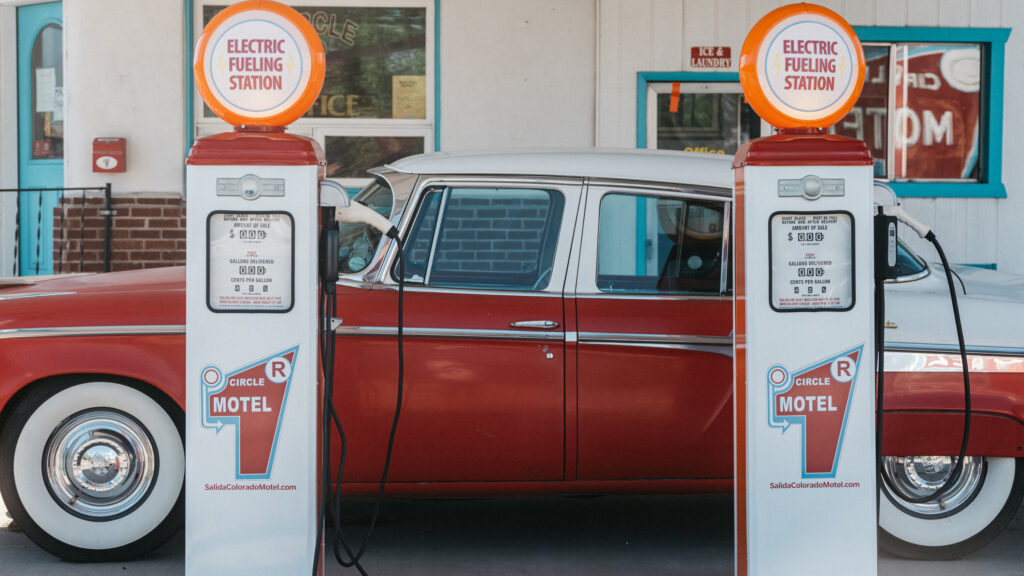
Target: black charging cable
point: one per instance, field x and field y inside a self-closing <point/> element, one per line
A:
<point x="880" y="362"/>
<point x="328" y="302"/>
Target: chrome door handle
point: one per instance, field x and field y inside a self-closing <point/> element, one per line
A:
<point x="534" y="324"/>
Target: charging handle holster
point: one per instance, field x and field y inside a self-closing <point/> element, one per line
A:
<point x="886" y="266"/>
<point x="328" y="248"/>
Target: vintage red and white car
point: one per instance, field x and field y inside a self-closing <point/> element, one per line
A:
<point x="568" y="329"/>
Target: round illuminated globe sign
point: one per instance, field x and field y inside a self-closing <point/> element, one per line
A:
<point x="259" y="63"/>
<point x="802" y="66"/>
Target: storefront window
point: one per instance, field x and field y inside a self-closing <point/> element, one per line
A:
<point x="920" y="111"/>
<point x="699" y="117"/>
<point x="377" y="101"/>
<point x="347" y="156"/>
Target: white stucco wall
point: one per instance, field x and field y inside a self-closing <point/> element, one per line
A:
<point x="124" y="77"/>
<point x="516" y="74"/>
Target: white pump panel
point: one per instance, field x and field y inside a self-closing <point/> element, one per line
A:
<point x="252" y="366"/>
<point x="806" y="381"/>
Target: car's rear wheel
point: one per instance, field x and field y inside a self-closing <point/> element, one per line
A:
<point x="975" y="510"/>
<point x="94" y="470"/>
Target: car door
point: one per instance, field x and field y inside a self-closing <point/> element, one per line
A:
<point x="484" y="338"/>
<point x="654" y="321"/>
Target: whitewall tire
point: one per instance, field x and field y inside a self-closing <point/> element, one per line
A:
<point x="982" y="504"/>
<point x="93" y="470"/>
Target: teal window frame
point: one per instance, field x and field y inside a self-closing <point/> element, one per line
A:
<point x="993" y="42"/>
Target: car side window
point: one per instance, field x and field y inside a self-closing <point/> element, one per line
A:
<point x="660" y="244"/>
<point x="484" y="238"/>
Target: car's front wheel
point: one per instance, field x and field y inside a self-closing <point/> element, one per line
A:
<point x="973" y="512"/>
<point x="93" y="470"/>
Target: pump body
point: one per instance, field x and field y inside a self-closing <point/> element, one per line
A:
<point x="252" y="389"/>
<point x="804" y="356"/>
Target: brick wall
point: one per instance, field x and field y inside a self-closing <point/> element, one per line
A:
<point x="146" y="232"/>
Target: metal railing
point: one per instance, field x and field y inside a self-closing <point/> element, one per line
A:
<point x="106" y="212"/>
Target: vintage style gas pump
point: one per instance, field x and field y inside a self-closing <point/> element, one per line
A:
<point x="804" y="351"/>
<point x="253" y="415"/>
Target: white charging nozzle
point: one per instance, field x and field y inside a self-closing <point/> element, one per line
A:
<point x="885" y="198"/>
<point x="897" y="211"/>
<point x="356" y="212"/>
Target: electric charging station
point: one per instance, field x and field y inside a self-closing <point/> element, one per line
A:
<point x="253" y="393"/>
<point x="804" y="350"/>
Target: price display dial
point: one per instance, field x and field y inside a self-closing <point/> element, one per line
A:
<point x="811" y="256"/>
<point x="250" y="261"/>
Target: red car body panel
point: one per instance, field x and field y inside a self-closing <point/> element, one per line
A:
<point x="492" y="415"/>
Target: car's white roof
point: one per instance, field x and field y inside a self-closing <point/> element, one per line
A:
<point x="690" y="168"/>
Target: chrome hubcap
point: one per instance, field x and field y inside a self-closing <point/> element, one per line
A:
<point x="100" y="464"/>
<point x="916" y="477"/>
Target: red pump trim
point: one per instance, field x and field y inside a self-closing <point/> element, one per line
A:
<point x="802" y="149"/>
<point x="256" y="146"/>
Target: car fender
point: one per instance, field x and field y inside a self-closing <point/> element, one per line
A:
<point x="157" y="360"/>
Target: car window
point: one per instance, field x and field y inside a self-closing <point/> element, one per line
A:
<point x="656" y="244"/>
<point x="485" y="238"/>
<point x="907" y="262"/>
<point x="358" y="242"/>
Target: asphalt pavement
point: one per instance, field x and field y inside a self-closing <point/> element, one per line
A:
<point x="565" y="536"/>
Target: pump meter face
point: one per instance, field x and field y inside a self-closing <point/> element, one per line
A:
<point x="250" y="261"/>
<point x="811" y="256"/>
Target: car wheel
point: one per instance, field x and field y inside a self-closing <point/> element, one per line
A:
<point x="979" y="506"/>
<point x="94" y="470"/>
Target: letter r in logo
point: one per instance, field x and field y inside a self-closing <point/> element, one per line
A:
<point x="843" y="369"/>
<point x="278" y="369"/>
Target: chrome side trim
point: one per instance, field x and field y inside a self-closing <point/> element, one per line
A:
<point x="647" y="339"/>
<point x="62" y="331"/>
<point x="443" y="290"/>
<point x="952" y="348"/>
<point x="35" y="295"/>
<point x="706" y="348"/>
<point x="449" y="333"/>
<point x="672" y="297"/>
<point x="941" y="362"/>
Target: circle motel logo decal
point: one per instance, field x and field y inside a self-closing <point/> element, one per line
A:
<point x="259" y="62"/>
<point x="802" y="66"/>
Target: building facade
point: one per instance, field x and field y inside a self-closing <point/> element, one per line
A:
<point x="938" y="109"/>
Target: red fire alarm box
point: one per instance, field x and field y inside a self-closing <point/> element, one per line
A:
<point x="108" y="154"/>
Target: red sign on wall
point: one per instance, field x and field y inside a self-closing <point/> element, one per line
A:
<point x="710" y="57"/>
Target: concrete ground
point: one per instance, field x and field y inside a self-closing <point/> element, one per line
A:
<point x="537" y="536"/>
